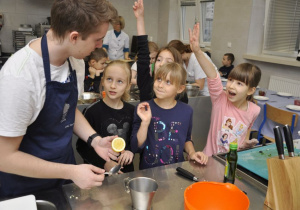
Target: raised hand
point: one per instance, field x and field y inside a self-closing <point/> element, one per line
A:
<point x="144" y="112"/>
<point x="194" y="38"/>
<point x="138" y="8"/>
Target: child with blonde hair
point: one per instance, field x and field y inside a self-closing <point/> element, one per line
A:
<point x="111" y="116"/>
<point x="162" y="126"/>
<point x="234" y="103"/>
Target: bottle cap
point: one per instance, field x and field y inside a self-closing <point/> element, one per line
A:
<point x="233" y="146"/>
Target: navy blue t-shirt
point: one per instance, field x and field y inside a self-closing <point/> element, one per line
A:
<point x="168" y="132"/>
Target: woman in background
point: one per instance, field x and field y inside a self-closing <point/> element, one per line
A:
<point x="116" y="41"/>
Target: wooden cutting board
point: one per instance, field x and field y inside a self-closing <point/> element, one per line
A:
<point x="25" y="203"/>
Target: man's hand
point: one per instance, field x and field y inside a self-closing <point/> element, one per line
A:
<point x="87" y="176"/>
<point x="103" y="148"/>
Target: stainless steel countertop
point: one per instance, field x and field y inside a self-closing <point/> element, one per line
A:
<point x="171" y="186"/>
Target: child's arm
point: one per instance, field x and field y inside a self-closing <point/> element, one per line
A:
<point x="144" y="112"/>
<point x="200" y="157"/>
<point x="247" y="143"/>
<point x="144" y="80"/>
<point x="138" y="9"/>
<point x="205" y="64"/>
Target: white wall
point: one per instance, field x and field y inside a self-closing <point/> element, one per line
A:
<point x="18" y="12"/>
<point x="32" y="12"/>
<point x="235" y="21"/>
<point x="241" y="23"/>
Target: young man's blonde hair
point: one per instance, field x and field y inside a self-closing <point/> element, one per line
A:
<point x="80" y="15"/>
<point x="125" y="66"/>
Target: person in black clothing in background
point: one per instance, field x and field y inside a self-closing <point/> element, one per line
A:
<point x="144" y="79"/>
<point x="227" y="62"/>
<point x="111" y="116"/>
<point x="96" y="64"/>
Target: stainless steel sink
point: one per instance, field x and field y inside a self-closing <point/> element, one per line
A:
<point x="45" y="205"/>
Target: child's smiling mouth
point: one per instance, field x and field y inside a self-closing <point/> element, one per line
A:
<point x="231" y="93"/>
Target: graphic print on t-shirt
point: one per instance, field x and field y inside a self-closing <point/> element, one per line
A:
<point x="164" y="148"/>
<point x="118" y="128"/>
<point x="230" y="132"/>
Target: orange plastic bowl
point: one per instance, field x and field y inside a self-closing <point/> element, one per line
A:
<point x="214" y="195"/>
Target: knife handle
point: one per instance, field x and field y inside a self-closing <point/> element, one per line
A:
<point x="279" y="142"/>
<point x="288" y="140"/>
<point x="185" y="173"/>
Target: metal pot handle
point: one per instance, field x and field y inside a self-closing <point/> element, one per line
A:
<point x="126" y="184"/>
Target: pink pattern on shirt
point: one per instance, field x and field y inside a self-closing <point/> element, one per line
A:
<point x="222" y="110"/>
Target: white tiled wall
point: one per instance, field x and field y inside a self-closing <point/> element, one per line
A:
<point x="18" y="12"/>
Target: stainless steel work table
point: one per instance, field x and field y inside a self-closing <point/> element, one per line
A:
<point x="171" y="186"/>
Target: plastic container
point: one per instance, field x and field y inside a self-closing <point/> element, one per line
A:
<point x="214" y="195"/>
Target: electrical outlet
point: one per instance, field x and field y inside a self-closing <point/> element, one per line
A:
<point x="229" y="44"/>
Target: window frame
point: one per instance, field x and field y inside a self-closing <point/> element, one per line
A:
<point x="198" y="18"/>
<point x="265" y="37"/>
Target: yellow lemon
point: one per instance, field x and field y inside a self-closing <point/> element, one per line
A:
<point x="118" y="144"/>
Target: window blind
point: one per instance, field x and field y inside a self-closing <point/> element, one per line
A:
<point x="282" y="27"/>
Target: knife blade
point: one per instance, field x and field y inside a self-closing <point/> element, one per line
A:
<point x="289" y="140"/>
<point x="187" y="174"/>
<point x="279" y="142"/>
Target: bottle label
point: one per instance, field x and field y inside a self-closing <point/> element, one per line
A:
<point x="226" y="169"/>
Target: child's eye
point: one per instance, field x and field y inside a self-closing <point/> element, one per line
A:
<point x="108" y="79"/>
<point x="120" y="81"/>
<point x="159" y="79"/>
<point x="168" y="82"/>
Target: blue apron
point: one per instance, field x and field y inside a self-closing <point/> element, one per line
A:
<point x="49" y="137"/>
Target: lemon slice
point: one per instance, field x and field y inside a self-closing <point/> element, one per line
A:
<point x="118" y="144"/>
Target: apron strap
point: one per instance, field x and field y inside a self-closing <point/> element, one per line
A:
<point x="45" y="55"/>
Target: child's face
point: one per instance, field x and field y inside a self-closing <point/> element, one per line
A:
<point x="237" y="91"/>
<point x="163" y="58"/>
<point x="164" y="89"/>
<point x="100" y="65"/>
<point x="152" y="56"/>
<point x="115" y="82"/>
<point x="225" y="61"/>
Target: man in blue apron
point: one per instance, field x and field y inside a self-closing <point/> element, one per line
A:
<point x="39" y="116"/>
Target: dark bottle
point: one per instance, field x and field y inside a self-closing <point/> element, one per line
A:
<point x="231" y="163"/>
